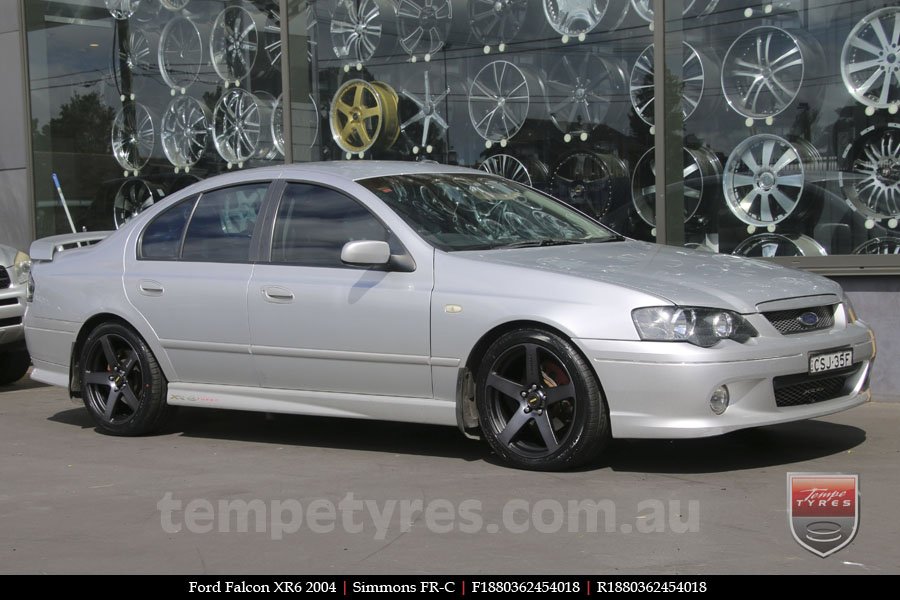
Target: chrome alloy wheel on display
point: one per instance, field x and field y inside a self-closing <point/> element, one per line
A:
<point x="641" y="88"/>
<point x="771" y="245"/>
<point x="122" y="9"/>
<point x="496" y="22"/>
<point x="870" y="59"/>
<point x="764" y="178"/>
<point x="234" y="41"/>
<point x="174" y="5"/>
<point x="364" y="115"/>
<point x="870" y="178"/>
<point x="500" y="98"/>
<point x="580" y="89"/>
<point x="133" y="197"/>
<point x="423" y="25"/>
<point x="134" y="51"/>
<point x="881" y="245"/>
<point x="702" y="170"/>
<point x="278" y="125"/>
<point x="428" y="104"/>
<point x="763" y="71"/>
<point x="585" y="180"/>
<point x="510" y="167"/>
<point x="272" y="37"/>
<point x="180" y="53"/>
<point x="185" y="131"/>
<point x="574" y="17"/>
<point x="356" y="29"/>
<point x="133" y="136"/>
<point x="240" y="127"/>
<point x="692" y="8"/>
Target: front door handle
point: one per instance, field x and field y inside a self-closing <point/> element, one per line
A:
<point x="277" y="294"/>
<point x="149" y="287"/>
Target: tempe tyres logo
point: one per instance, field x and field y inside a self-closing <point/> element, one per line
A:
<point x="823" y="510"/>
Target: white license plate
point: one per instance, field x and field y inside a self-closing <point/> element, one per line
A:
<point x="830" y="361"/>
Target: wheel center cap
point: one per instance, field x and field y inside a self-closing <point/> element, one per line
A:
<point x="580" y="93"/>
<point x="535" y="399"/>
<point x="888" y="171"/>
<point x="765" y="180"/>
<point x="498" y="7"/>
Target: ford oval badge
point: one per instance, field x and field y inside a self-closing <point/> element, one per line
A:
<point x="809" y="319"/>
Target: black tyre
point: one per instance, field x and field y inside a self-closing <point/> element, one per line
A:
<point x="539" y="403"/>
<point x="13" y="366"/>
<point x="121" y="383"/>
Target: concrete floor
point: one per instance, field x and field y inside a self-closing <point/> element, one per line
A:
<point x="75" y="501"/>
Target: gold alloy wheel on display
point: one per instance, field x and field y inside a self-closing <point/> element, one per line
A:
<point x="364" y="115"/>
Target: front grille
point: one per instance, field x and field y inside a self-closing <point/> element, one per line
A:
<point x="8" y="301"/>
<point x="4" y="278"/>
<point x="796" y="390"/>
<point x="788" y="322"/>
<point x="10" y="321"/>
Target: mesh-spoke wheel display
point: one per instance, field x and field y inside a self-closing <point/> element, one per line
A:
<point x="580" y="89"/>
<point x="871" y="174"/>
<point x="510" y="167"/>
<point x="134" y="196"/>
<point x="240" y="126"/>
<point x="763" y="72"/>
<point x="642" y="76"/>
<point x="574" y="17"/>
<point x="272" y="38"/>
<point x="278" y="125"/>
<point x="764" y="178"/>
<point x="234" y="41"/>
<point x="122" y="9"/>
<point x="185" y="131"/>
<point x="499" y="99"/>
<point x="701" y="172"/>
<point x="770" y="245"/>
<point x="133" y="136"/>
<point x="423" y="25"/>
<point x="180" y="53"/>
<point x="363" y="115"/>
<point x="585" y="180"/>
<point x="496" y="22"/>
<point x="429" y="104"/>
<point x="174" y="5"/>
<point x="356" y="29"/>
<point x="881" y="245"/>
<point x="870" y="60"/>
<point x="692" y="8"/>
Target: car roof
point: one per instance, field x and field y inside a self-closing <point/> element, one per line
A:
<point x="354" y="170"/>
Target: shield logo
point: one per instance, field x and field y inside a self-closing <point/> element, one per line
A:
<point x="823" y="510"/>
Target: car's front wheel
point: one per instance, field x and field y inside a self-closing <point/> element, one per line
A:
<point x="121" y="383"/>
<point x="539" y="403"/>
<point x="13" y="365"/>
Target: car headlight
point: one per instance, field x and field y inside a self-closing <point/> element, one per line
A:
<point x="849" y="310"/>
<point x="699" y="326"/>
<point x="21" y="268"/>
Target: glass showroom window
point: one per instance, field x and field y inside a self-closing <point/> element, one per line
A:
<point x="133" y="100"/>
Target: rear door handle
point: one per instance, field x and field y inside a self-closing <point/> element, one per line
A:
<point x="277" y="294"/>
<point x="149" y="287"/>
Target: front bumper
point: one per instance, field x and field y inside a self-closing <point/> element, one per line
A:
<point x="12" y="311"/>
<point x="662" y="390"/>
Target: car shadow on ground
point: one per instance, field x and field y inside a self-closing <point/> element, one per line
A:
<point x="761" y="447"/>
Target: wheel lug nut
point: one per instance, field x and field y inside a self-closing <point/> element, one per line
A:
<point x="524" y="394"/>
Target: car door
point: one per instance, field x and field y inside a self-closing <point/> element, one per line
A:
<point x="320" y="325"/>
<point x="190" y="278"/>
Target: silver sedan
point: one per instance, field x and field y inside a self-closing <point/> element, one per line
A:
<point x="432" y="294"/>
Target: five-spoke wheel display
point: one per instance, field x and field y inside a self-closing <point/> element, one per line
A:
<point x="363" y="115"/>
<point x="765" y="176"/>
<point x="539" y="403"/>
<point x="870" y="60"/>
<point x="122" y="385"/>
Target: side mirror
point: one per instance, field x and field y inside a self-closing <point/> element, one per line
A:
<point x="368" y="253"/>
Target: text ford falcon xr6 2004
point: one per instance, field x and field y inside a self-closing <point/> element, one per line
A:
<point x="432" y="294"/>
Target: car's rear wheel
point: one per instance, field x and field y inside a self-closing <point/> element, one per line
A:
<point x="539" y="403"/>
<point x="121" y="383"/>
<point x="13" y="366"/>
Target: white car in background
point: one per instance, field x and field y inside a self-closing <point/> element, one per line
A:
<point x="14" y="268"/>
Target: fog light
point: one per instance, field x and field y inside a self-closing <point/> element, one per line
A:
<point x="718" y="402"/>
